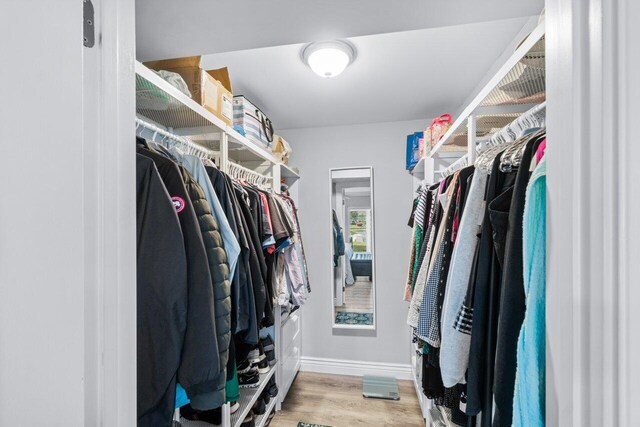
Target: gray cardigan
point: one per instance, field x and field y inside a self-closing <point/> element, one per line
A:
<point x="454" y="345"/>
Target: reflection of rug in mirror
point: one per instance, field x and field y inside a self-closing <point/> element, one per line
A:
<point x="351" y="318"/>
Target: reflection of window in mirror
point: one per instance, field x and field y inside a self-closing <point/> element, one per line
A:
<point x="352" y="228"/>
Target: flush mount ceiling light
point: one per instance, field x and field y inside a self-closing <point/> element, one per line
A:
<point x="330" y="58"/>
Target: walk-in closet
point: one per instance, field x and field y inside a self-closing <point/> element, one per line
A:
<point x="319" y="213"/>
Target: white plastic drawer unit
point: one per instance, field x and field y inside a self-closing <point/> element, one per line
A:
<point x="290" y="331"/>
<point x="291" y="351"/>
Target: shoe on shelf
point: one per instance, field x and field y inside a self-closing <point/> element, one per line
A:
<point x="254" y="355"/>
<point x="234" y="406"/>
<point x="249" y="420"/>
<point x="249" y="380"/>
<point x="265" y="397"/>
<point x="272" y="387"/>
<point x="262" y="365"/>
<point x="267" y="343"/>
<point x="269" y="418"/>
<point x="259" y="408"/>
<point x="245" y="367"/>
<point x="190" y="417"/>
<point x="271" y="357"/>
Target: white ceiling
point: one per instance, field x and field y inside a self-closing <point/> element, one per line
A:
<point x="416" y="58"/>
<point x="396" y="76"/>
<point x="170" y="28"/>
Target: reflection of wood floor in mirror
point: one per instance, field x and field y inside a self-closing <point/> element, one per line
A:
<point x="358" y="298"/>
<point x="337" y="401"/>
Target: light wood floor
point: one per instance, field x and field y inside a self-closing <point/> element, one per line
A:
<point x="358" y="298"/>
<point x="337" y="401"/>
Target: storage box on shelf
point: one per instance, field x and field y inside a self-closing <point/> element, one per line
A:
<point x="254" y="123"/>
<point x="209" y="88"/>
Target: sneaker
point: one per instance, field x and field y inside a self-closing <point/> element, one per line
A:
<point x="263" y="365"/>
<point x="246" y="367"/>
<point x="267" y="343"/>
<point x="249" y="380"/>
<point x="188" y="415"/>
<point x="265" y="397"/>
<point x="259" y="408"/>
<point x="271" y="357"/>
<point x="254" y="355"/>
<point x="272" y="387"/>
<point x="249" y="421"/>
<point x="234" y="406"/>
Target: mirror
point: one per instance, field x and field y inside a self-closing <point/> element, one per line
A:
<point x="352" y="255"/>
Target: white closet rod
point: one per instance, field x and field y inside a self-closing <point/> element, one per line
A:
<point x="245" y="174"/>
<point x="535" y="117"/>
<point x="189" y="145"/>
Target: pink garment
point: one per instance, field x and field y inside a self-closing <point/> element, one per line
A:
<point x="540" y="152"/>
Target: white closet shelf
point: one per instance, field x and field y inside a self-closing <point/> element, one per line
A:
<point x="243" y="150"/>
<point x="515" y="88"/>
<point x="248" y="397"/>
<point x="159" y="102"/>
<point x="288" y="174"/>
<point x="418" y="169"/>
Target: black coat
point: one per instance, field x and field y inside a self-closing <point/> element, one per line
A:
<point x="219" y="269"/>
<point x="162" y="297"/>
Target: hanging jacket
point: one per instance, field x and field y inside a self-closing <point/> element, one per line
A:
<point x="257" y="266"/>
<point x="219" y="270"/>
<point x="239" y="295"/>
<point x="338" y="239"/>
<point x="199" y="362"/>
<point x="161" y="297"/>
<point x="250" y="332"/>
<point x="196" y="168"/>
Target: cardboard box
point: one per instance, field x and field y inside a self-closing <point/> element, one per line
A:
<point x="209" y="88"/>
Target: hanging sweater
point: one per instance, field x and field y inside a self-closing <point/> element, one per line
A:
<point x="454" y="351"/>
<point x="529" y="394"/>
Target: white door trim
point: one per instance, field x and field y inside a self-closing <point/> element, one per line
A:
<point x="592" y="211"/>
<point x="110" y="212"/>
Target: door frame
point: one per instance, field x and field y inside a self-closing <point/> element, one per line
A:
<point x="110" y="212"/>
<point x="592" y="267"/>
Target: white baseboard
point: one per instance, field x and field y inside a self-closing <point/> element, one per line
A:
<point x="355" y="367"/>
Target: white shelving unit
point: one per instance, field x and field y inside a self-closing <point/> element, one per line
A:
<point x="248" y="397"/>
<point x="517" y="87"/>
<point x="164" y="106"/>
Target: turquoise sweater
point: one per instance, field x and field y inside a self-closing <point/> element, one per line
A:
<point x="529" y="396"/>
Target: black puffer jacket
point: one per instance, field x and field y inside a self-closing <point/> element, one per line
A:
<point x="221" y="288"/>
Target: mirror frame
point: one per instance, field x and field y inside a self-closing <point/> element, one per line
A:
<point x="373" y="326"/>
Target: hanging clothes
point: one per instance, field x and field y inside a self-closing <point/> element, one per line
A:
<point x="512" y="298"/>
<point x="456" y="331"/>
<point x="468" y="297"/>
<point x="529" y="390"/>
<point x="175" y="313"/>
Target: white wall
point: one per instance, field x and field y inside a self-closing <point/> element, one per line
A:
<point x="381" y="145"/>
<point x="41" y="219"/>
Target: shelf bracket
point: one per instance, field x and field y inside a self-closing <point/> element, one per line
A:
<point x="88" y="24"/>
<point x="471" y="139"/>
